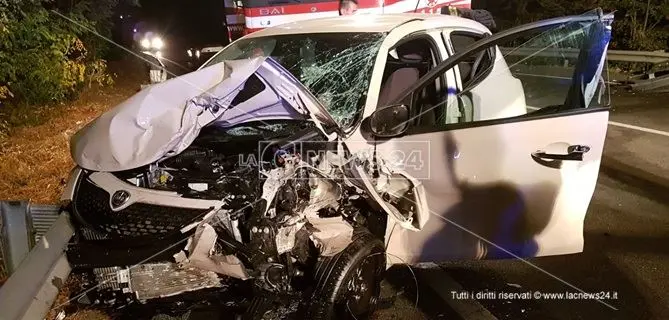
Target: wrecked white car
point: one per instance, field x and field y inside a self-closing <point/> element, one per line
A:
<point x="307" y="158"/>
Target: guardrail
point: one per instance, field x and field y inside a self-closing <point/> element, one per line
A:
<point x="22" y="225"/>
<point x="612" y="55"/>
<point x="655" y="84"/>
<point x="34" y="238"/>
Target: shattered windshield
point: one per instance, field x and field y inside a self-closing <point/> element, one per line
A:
<point x="335" y="67"/>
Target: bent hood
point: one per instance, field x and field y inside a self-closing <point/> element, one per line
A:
<point x="164" y="119"/>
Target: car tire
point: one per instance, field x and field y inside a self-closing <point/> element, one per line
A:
<point x="347" y="285"/>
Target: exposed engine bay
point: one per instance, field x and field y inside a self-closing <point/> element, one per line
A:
<point x="274" y="203"/>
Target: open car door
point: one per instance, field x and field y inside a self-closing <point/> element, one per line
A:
<point x="515" y="182"/>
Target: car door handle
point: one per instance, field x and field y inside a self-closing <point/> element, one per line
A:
<point x="574" y="153"/>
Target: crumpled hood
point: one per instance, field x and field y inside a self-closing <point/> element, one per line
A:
<point x="164" y="119"/>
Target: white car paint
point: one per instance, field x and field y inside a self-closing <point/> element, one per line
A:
<point x="111" y="184"/>
<point x="499" y="95"/>
<point x="489" y="168"/>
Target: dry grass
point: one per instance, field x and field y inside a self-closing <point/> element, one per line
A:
<point x="70" y="289"/>
<point x="35" y="160"/>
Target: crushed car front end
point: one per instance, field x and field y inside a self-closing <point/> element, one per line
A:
<point x="164" y="230"/>
<point x="233" y="172"/>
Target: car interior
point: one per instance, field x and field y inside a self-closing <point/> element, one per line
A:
<point x="405" y="65"/>
<point x="472" y="70"/>
<point x="460" y="41"/>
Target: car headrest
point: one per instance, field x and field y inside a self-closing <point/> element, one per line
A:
<point x="411" y="58"/>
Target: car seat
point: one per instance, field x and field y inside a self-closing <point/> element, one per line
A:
<point x="403" y="73"/>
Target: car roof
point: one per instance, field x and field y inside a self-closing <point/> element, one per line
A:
<point x="369" y="23"/>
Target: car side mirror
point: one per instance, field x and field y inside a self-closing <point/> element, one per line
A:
<point x="389" y="121"/>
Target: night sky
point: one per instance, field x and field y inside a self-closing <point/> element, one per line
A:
<point x="184" y="22"/>
<point x="188" y="23"/>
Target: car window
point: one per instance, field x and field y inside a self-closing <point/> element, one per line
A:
<point x="405" y="64"/>
<point x="532" y="73"/>
<point x="335" y="67"/>
<point x="460" y="41"/>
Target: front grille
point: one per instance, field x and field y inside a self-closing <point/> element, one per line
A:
<point x="155" y="280"/>
<point x="108" y="278"/>
<point x="91" y="206"/>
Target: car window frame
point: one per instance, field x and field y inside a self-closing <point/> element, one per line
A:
<point x="407" y="97"/>
<point x="437" y="59"/>
<point x="492" y="52"/>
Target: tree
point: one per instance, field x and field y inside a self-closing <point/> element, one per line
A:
<point x="638" y="25"/>
<point x="45" y="57"/>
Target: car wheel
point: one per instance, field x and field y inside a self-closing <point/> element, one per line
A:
<point x="347" y="285"/>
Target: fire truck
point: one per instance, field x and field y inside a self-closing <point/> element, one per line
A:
<point x="246" y="16"/>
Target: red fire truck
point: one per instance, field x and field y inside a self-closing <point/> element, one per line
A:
<point x="246" y="16"/>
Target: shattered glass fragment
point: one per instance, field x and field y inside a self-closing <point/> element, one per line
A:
<point x="257" y="128"/>
<point x="244" y="131"/>
<point x="335" y="67"/>
<point x="340" y="78"/>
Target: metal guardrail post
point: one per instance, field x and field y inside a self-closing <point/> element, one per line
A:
<point x="43" y="216"/>
<point x="651" y="84"/>
<point x="22" y="224"/>
<point x="15" y="235"/>
<point x="31" y="290"/>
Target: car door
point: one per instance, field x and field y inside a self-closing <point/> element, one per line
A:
<point x="512" y="183"/>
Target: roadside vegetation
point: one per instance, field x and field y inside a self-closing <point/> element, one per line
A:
<point x="48" y="55"/>
<point x="35" y="159"/>
<point x="54" y="78"/>
<point x="639" y="24"/>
